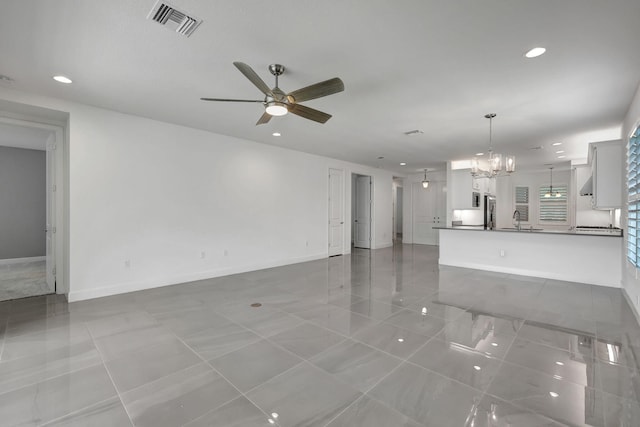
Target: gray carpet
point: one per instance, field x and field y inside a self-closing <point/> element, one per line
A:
<point x="23" y="280"/>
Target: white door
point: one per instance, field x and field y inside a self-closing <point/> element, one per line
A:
<point x="362" y="222"/>
<point x="427" y="213"/>
<point x="49" y="229"/>
<point x="336" y="212"/>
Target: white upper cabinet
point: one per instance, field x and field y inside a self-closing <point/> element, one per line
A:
<point x="607" y="170"/>
<point x="462" y="188"/>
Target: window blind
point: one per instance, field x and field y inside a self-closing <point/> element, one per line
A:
<point x="633" y="185"/>
<point x="522" y="202"/>
<point x="553" y="209"/>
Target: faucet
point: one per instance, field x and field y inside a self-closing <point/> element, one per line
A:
<point x="516" y="213"/>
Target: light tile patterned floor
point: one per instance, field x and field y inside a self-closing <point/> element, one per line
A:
<point x="379" y="338"/>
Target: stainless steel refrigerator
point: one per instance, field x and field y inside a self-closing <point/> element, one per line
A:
<point x="489" y="212"/>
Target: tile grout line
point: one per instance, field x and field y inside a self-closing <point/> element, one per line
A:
<point x="52" y="377"/>
<point x="78" y="411"/>
<point x="4" y="337"/>
<point x="221" y="376"/>
<point x="104" y="365"/>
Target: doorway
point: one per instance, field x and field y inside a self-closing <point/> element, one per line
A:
<point x="397" y="210"/>
<point x="336" y="212"/>
<point x="361" y="201"/>
<point x="31" y="168"/>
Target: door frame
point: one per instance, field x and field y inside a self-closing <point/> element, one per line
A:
<point x="56" y="178"/>
<point x="371" y="205"/>
<point x="343" y="214"/>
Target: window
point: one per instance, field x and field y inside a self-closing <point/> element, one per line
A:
<point x="522" y="202"/>
<point x="553" y="209"/>
<point x="633" y="184"/>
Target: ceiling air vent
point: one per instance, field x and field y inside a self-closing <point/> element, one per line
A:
<point x="173" y="19"/>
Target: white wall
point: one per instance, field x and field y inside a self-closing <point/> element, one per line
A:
<point x="157" y="195"/>
<point x="630" y="276"/>
<point x="22" y="197"/>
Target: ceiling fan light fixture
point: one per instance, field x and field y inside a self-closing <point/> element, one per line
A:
<point x="276" y="108"/>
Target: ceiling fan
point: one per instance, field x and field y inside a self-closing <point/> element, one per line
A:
<point x="278" y="103"/>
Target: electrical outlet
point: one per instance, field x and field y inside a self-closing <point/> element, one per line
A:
<point x="203" y="255"/>
<point x="502" y="252"/>
<point x="127" y="263"/>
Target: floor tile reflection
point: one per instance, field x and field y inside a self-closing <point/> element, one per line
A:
<point x="376" y="338"/>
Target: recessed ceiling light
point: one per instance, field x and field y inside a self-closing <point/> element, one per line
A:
<point x="559" y="363"/>
<point x="559" y="151"/>
<point x="479" y="154"/>
<point x="476" y="367"/>
<point x="495" y="344"/>
<point x="535" y="52"/>
<point x="555" y="144"/>
<point x="403" y="163"/>
<point x="561" y="157"/>
<point x="62" y="79"/>
<point x="553" y="394"/>
<point x="276" y="134"/>
<point x="400" y="339"/>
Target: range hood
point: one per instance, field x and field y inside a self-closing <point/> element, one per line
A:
<point x="587" y="188"/>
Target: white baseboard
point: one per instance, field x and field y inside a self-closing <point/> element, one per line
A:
<point x="384" y="245"/>
<point x="122" y="288"/>
<point x="532" y="273"/>
<point x="22" y="260"/>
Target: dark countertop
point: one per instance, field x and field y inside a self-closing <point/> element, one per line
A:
<point x="526" y="231"/>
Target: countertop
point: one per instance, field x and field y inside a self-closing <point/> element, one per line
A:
<point x="527" y="231"/>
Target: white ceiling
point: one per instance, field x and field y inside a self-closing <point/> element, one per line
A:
<point x="438" y="66"/>
<point x="23" y="137"/>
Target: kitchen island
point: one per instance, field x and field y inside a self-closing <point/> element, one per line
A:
<point x="560" y="255"/>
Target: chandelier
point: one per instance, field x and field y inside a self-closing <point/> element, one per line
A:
<point x="495" y="165"/>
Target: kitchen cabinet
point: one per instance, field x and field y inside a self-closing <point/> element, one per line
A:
<point x="606" y="169"/>
<point x="428" y="212"/>
<point x="462" y="187"/>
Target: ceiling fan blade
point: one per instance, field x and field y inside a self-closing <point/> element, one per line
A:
<point x="318" y="90"/>
<point x="309" y="113"/>
<point x="230" y="100"/>
<point x="253" y="77"/>
<point x="264" y="119"/>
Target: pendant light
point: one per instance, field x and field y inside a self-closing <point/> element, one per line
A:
<point x="425" y="183"/>
<point x="495" y="159"/>
<point x="550" y="193"/>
